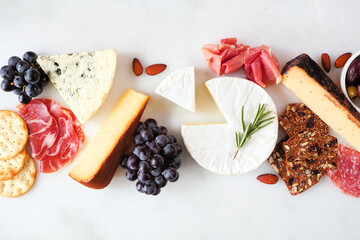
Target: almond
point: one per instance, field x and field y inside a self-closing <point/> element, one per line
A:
<point x="340" y="61"/>
<point x="268" y="178"/>
<point x="155" y="69"/>
<point x="326" y="62"/>
<point x="137" y="67"/>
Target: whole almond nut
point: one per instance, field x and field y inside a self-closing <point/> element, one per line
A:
<point x="340" y="61"/>
<point x="268" y="178"/>
<point x="137" y="67"/>
<point x="326" y="62"/>
<point x="155" y="69"/>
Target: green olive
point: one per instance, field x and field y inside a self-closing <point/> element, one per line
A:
<point x="352" y="92"/>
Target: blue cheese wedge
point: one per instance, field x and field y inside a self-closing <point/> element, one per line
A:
<point x="213" y="145"/>
<point x="82" y="79"/>
<point x="179" y="87"/>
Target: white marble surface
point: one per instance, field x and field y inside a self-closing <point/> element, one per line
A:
<point x="201" y="205"/>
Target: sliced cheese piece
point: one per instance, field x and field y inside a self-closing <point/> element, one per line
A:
<point x="82" y="79"/>
<point x="213" y="145"/>
<point x="312" y="86"/>
<point x="97" y="164"/>
<point x="179" y="87"/>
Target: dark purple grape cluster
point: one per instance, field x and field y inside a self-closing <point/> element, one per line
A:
<point x="155" y="158"/>
<point x="24" y="77"/>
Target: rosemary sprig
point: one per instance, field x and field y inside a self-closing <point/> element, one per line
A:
<point x="260" y="121"/>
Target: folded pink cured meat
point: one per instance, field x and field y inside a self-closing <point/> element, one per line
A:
<point x="70" y="153"/>
<point x="220" y="57"/>
<point x="43" y="128"/>
<point x="262" y="67"/>
<point x="347" y="175"/>
<point x="66" y="131"/>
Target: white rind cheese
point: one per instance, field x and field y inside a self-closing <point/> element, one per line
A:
<point x="82" y="79"/>
<point x="179" y="87"/>
<point x="213" y="145"/>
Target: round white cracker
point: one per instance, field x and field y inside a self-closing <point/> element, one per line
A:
<point x="13" y="134"/>
<point x="22" y="182"/>
<point x="10" y="167"/>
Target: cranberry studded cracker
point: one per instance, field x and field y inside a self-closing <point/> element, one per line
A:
<point x="298" y="117"/>
<point x="296" y="181"/>
<point x="311" y="149"/>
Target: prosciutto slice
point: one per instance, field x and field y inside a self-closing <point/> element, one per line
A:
<point x="43" y="128"/>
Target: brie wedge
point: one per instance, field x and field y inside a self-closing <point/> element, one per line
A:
<point x="82" y="79"/>
<point x="179" y="87"/>
<point x="213" y="145"/>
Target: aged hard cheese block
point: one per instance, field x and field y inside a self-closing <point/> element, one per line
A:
<point x="82" y="79"/>
<point x="312" y="86"/>
<point x="179" y="87"/>
<point x="213" y="145"/>
<point x="97" y="164"/>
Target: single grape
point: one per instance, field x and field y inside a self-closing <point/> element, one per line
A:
<point x="149" y="188"/>
<point x="156" y="172"/>
<point x="172" y="139"/>
<point x="123" y="161"/>
<point x="33" y="90"/>
<point x="144" y="177"/>
<point x="160" y="181"/>
<point x="175" y="163"/>
<point x="17" y="91"/>
<point x="170" y="150"/>
<point x="157" y="161"/>
<point x="138" y="140"/>
<point x="163" y="130"/>
<point x="170" y="174"/>
<point x="22" y="66"/>
<point x="30" y="57"/>
<point x="147" y="134"/>
<point x="137" y="149"/>
<point x="133" y="162"/>
<point x="157" y="191"/>
<point x="150" y="123"/>
<point x="44" y="78"/>
<point x="19" y="81"/>
<point x="144" y="153"/>
<point x="139" y="186"/>
<point x="7" y="86"/>
<point x="131" y="175"/>
<point x="23" y="98"/>
<point x="178" y="148"/>
<point x="153" y="147"/>
<point x="156" y="130"/>
<point x="13" y="61"/>
<point x="144" y="166"/>
<point x="32" y="75"/>
<point x="162" y="140"/>
<point x="7" y="72"/>
<point x="140" y="126"/>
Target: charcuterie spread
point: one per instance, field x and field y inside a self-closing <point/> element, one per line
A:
<point x="149" y="152"/>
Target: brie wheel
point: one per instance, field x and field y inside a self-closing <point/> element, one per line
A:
<point x="179" y="87"/>
<point x="213" y="145"/>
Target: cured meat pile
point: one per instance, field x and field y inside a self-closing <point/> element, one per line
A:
<point x="55" y="134"/>
<point x="260" y="65"/>
<point x="347" y="175"/>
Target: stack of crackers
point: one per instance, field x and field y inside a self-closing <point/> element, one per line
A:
<point x="17" y="168"/>
<point x="304" y="155"/>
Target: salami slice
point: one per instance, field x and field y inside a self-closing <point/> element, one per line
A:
<point x="66" y="131"/>
<point x="43" y="128"/>
<point x="347" y="175"/>
<point x="77" y="127"/>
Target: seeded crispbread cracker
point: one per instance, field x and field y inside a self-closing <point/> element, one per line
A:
<point x="22" y="182"/>
<point x="13" y="134"/>
<point x="298" y="181"/>
<point x="10" y="167"/>
<point x="311" y="149"/>
<point x="298" y="117"/>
